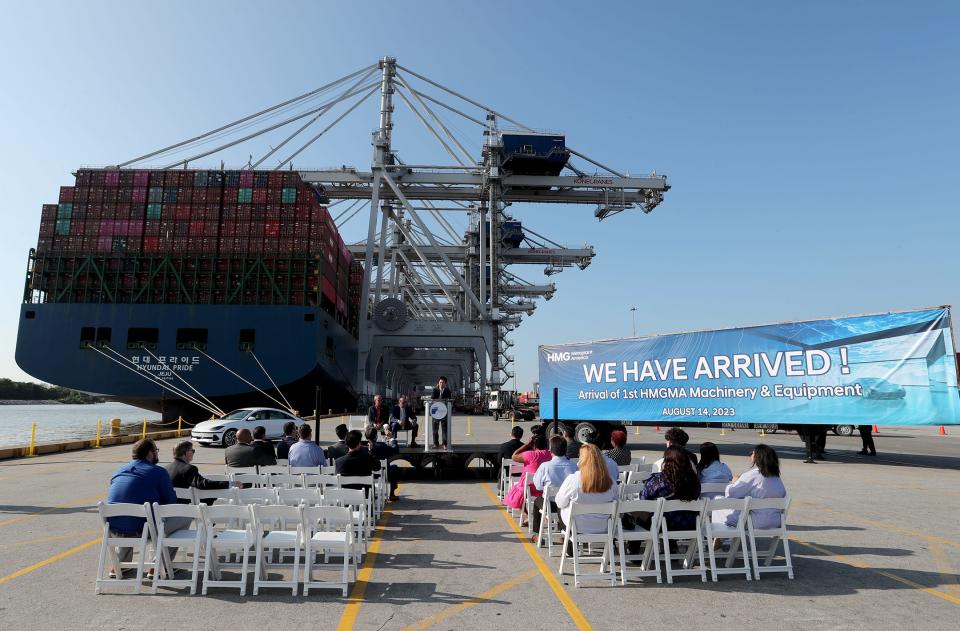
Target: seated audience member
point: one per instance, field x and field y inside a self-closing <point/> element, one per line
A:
<point x="338" y="448"/>
<point x="619" y="453"/>
<point x="592" y="484"/>
<point x="676" y="480"/>
<point x="383" y="451"/>
<point x="507" y="448"/>
<point x="289" y="438"/>
<point x="593" y="438"/>
<point x="760" y="481"/>
<point x="676" y="437"/>
<point x="306" y="453"/>
<point x="378" y="414"/>
<point x="136" y="482"/>
<point x="551" y="473"/>
<point x="357" y="462"/>
<point x="573" y="445"/>
<point x="266" y="456"/>
<point x="403" y="418"/>
<point x="184" y="474"/>
<point x="531" y="456"/>
<point x="712" y="471"/>
<point x="241" y="453"/>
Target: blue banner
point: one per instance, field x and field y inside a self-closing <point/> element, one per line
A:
<point x="884" y="369"/>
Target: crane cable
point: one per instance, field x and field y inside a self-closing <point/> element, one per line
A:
<point x="208" y="356"/>
<point x="151" y="378"/>
<point x="175" y="374"/>
<point x="275" y="386"/>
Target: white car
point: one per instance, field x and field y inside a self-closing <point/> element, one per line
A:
<point x="223" y="431"/>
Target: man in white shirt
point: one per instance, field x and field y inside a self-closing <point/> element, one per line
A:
<point x="551" y="473"/>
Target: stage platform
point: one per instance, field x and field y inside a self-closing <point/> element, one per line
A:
<point x="458" y="461"/>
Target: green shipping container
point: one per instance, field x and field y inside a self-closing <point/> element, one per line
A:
<point x="153" y="211"/>
<point x="244" y="195"/>
<point x="288" y="196"/>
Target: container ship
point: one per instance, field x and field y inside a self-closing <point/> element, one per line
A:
<point x="188" y="292"/>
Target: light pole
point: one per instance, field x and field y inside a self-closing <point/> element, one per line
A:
<point x="633" y="318"/>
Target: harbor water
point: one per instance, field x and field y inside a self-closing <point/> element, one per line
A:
<point x="57" y="422"/>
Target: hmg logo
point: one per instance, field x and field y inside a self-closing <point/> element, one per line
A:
<point x="557" y="356"/>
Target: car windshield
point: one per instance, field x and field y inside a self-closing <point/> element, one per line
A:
<point x="236" y="415"/>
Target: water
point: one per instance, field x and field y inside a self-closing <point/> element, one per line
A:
<point x="63" y="422"/>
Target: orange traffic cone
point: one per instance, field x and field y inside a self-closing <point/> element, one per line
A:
<point x="657" y="428"/>
<point x="876" y="430"/>
<point x="943" y="431"/>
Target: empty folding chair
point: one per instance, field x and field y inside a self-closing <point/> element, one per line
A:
<point x="299" y="470"/>
<point x="692" y="536"/>
<point x="638" y="477"/>
<point x="178" y="526"/>
<point x="286" y="480"/>
<point x="608" y="511"/>
<point x="715" y="529"/>
<point x="184" y="494"/>
<point x="762" y="523"/>
<point x="250" y="480"/>
<point x="264" y="497"/>
<point x="647" y="536"/>
<point x="630" y="491"/>
<point x="219" y="496"/>
<point x="330" y="530"/>
<point x="548" y="528"/>
<point x="270" y="469"/>
<point x="287" y="541"/>
<point x="355" y="500"/>
<point x="229" y="530"/>
<point x="296" y="497"/>
<point x="321" y="480"/>
<point x="366" y="484"/>
<point x="114" y="540"/>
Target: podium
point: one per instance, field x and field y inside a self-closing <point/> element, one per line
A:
<point x="439" y="410"/>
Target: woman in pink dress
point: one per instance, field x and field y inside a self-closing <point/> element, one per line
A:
<point x="531" y="456"/>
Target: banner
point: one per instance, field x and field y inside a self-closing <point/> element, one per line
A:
<point x="885" y="369"/>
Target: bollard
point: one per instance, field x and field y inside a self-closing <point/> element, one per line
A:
<point x="636" y="430"/>
<point x="144" y="433"/>
<point x="99" y="425"/>
<point x="468" y="425"/>
<point x="114" y="427"/>
<point x="723" y="431"/>
<point x="33" y="442"/>
<point x="763" y="432"/>
<point x="513" y="420"/>
<point x="179" y="427"/>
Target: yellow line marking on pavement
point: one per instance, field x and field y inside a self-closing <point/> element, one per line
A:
<point x="349" y="616"/>
<point x="947" y="575"/>
<point x="47" y="511"/>
<point x="863" y="566"/>
<point x="53" y="559"/>
<point x="575" y="614"/>
<point x="426" y="623"/>
<point x="30" y="542"/>
<point x="885" y="526"/>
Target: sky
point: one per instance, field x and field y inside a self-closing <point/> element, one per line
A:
<point x="812" y="148"/>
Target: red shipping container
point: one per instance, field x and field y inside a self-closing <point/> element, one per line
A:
<point x="259" y="196"/>
<point x="124" y="194"/>
<point x="185" y="194"/>
<point x="111" y="178"/>
<point x="44" y="244"/>
<point x="329" y="292"/>
<point x="104" y="244"/>
<point x="111" y="194"/>
<point x="141" y="178"/>
<point x="196" y="228"/>
<point x="240" y="243"/>
<point x="134" y="244"/>
<point x="48" y="212"/>
<point x="230" y="195"/>
<point x="246" y="179"/>
<point x="151" y="244"/>
<point x="139" y="195"/>
<point x="341" y="306"/>
<point x="274" y="195"/>
<point x="210" y="228"/>
<point x="66" y="194"/>
<point x="199" y="196"/>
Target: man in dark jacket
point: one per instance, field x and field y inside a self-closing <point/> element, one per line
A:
<point x="573" y="445"/>
<point x="242" y="453"/>
<point x="185" y="475"/>
<point x="378" y="414"/>
<point x="441" y="392"/>
<point x="338" y="448"/>
<point x="401" y="418"/>
<point x="383" y="451"/>
<point x="507" y="448"/>
<point x="357" y="462"/>
<point x="289" y="438"/>
<point x="265" y="453"/>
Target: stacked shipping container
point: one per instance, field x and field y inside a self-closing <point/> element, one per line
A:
<point x="148" y="222"/>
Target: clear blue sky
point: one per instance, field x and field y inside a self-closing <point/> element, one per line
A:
<point x="812" y="147"/>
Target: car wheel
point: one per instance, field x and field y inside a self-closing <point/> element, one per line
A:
<point x="583" y="431"/>
<point x="843" y="430"/>
<point x="230" y="437"/>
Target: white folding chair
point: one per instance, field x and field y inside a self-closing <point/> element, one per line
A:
<point x="255" y="480"/>
<point x="694" y="539"/>
<point x="227" y="469"/>
<point x="328" y="469"/>
<point x="638" y="477"/>
<point x="509" y="472"/>
<point x="648" y="536"/>
<point x="283" y="462"/>
<point x="628" y="491"/>
<point x="286" y="480"/>
<point x="715" y="529"/>
<point x="355" y="500"/>
<point x="776" y="535"/>
<point x="219" y="496"/>
<point x="229" y="529"/>
<point x="328" y="529"/>
<point x="572" y="535"/>
<point x="271" y="469"/>
<point x="287" y="541"/>
<point x="321" y="480"/>
<point x="296" y="497"/>
<point x="528" y="499"/>
<point x="263" y="497"/>
<point x="111" y="543"/>
<point x="221" y="477"/>
<point x="299" y="470"/>
<point x="184" y="494"/>
<point x="548" y="529"/>
<point x="368" y="483"/>
<point x="190" y="538"/>
<point x="712" y="490"/>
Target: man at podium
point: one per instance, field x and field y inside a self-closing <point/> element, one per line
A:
<point x="441" y="393"/>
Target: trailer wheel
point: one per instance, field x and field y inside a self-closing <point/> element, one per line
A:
<point x="583" y="431"/>
<point x="843" y="430"/>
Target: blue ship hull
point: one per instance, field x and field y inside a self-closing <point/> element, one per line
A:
<point x="306" y="352"/>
